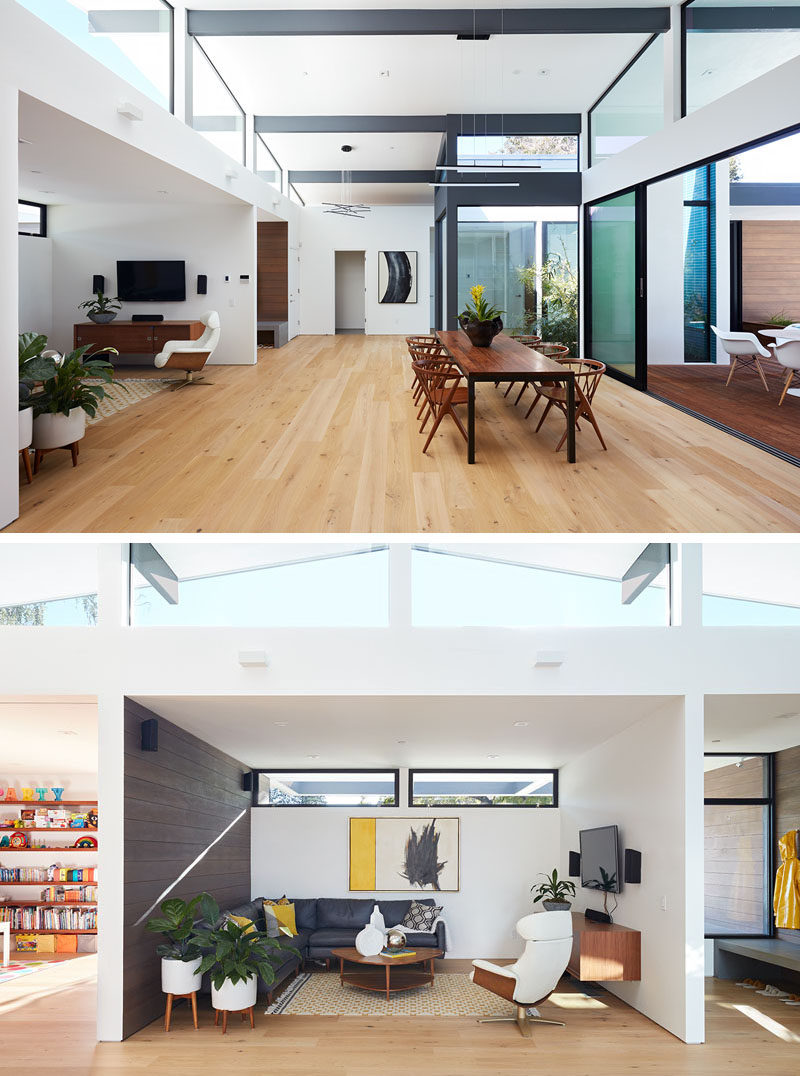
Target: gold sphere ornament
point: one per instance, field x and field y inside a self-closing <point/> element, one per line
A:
<point x="395" y="939"/>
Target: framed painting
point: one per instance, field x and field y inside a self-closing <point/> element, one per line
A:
<point x="404" y="855"/>
<point x="397" y="276"/>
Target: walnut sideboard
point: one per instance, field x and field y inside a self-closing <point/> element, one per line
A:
<point x="604" y="952"/>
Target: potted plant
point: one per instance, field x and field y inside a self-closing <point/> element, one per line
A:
<point x="780" y="320"/>
<point x="480" y="321"/>
<point x="102" y="308"/>
<point x="554" y="892"/>
<point x="180" y="954"/>
<point x="33" y="367"/>
<point x="60" y="407"/>
<point x="235" y="956"/>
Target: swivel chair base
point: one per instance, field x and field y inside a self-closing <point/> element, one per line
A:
<point x="524" y="1020"/>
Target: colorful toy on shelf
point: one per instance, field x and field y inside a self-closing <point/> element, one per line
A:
<point x="41" y="793"/>
<point x="57" y="792"/>
<point x="77" y="821"/>
<point x="27" y="793"/>
<point x="91" y="818"/>
<point x="11" y="793"/>
<point x="18" y="840"/>
<point x="5" y="841"/>
<point x="85" y="842"/>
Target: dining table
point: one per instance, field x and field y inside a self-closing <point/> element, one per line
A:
<point x="506" y="360"/>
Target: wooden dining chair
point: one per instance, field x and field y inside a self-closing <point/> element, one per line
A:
<point x="588" y="373"/>
<point x="443" y="389"/>
<point x="429" y="348"/>
<point x="552" y="351"/>
<point x="529" y="341"/>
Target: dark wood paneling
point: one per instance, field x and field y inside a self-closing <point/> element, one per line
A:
<point x="770" y="269"/>
<point x="787" y="810"/>
<point x="177" y="802"/>
<point x="273" y="271"/>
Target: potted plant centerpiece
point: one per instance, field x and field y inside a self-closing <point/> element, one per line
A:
<point x="102" y="308"/>
<point x="236" y="956"/>
<point x="553" y="893"/>
<point x="180" y="954"/>
<point x="34" y="367"/>
<point x="480" y="321"/>
<point x="65" y="399"/>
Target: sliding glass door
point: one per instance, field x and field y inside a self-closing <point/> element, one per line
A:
<point x="615" y="307"/>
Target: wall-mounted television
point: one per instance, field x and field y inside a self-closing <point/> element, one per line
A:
<point x="151" y="282"/>
<point x="600" y="859"/>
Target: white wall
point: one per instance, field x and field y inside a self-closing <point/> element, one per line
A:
<point x="383" y="228"/>
<point x="217" y="240"/>
<point x="304" y="853"/>
<point x="35" y="284"/>
<point x="636" y="780"/>
<point x="9" y="458"/>
<point x="665" y="248"/>
<point x="350" y="283"/>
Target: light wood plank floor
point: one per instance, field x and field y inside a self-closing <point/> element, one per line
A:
<point x="320" y="436"/>
<point x="47" y="1025"/>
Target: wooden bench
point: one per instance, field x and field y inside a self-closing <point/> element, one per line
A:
<point x="272" y="332"/>
<point x="758" y="958"/>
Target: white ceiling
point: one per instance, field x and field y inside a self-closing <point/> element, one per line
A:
<point x="375" y="150"/>
<point x="752" y="722"/>
<point x="314" y="194"/>
<point x="44" y="738"/>
<point x="438" y="730"/>
<point x="70" y="162"/>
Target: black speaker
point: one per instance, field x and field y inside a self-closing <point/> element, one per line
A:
<point x="202" y="284"/>
<point x="598" y="917"/>
<point x="633" y="866"/>
<point x="574" y="864"/>
<point x="150" y="734"/>
<point x="247" y="781"/>
<point x="147" y="317"/>
<point x="98" y="283"/>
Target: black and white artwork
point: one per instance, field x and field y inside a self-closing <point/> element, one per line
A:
<point x="397" y="276"/>
<point x="413" y="854"/>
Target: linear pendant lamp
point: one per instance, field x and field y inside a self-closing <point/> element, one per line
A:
<point x="481" y="168"/>
<point x="446" y="183"/>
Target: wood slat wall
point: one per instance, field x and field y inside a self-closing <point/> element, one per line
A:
<point x="273" y="271"/>
<point x="787" y="809"/>
<point x="770" y="269"/>
<point x="177" y="801"/>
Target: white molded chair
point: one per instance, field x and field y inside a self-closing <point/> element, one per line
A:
<point x="787" y="352"/>
<point x="191" y="355"/>
<point x="531" y="979"/>
<point x="743" y="348"/>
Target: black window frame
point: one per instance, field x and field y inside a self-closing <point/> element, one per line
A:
<point x="42" y="233"/>
<point x="552" y="770"/>
<point x="751" y="801"/>
<point x="328" y="769"/>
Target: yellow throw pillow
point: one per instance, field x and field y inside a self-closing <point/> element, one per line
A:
<point x="282" y="900"/>
<point x="242" y="921"/>
<point x="279" y="916"/>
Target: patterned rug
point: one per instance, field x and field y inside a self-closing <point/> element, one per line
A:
<point x="14" y="970"/>
<point x="319" y="993"/>
<point x="123" y="393"/>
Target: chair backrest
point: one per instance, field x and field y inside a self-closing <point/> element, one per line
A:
<point x="527" y="339"/>
<point x="788" y="353"/>
<point x="587" y="375"/>
<point x="740" y="343"/>
<point x="436" y="373"/>
<point x="548" y="944"/>
<point x="210" y="338"/>
<point x="553" y="351"/>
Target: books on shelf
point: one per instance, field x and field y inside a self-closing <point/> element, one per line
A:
<point x="48" y="874"/>
<point x="48" y="918"/>
<point x="58" y="893"/>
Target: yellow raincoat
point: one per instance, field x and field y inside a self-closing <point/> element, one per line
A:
<point x="787" y="884"/>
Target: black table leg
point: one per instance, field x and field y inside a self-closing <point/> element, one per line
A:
<point x="570" y="419"/>
<point x="470" y="420"/>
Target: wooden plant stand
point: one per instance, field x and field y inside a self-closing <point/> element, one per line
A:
<point x="168" y="1013"/>
<point x="225" y="1012"/>
<point x="26" y="463"/>
<point x="40" y="453"/>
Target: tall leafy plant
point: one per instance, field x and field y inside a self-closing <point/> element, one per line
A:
<point x="236" y="953"/>
<point x="67" y="386"/>
<point x="176" y="925"/>
<point x="558" y="322"/>
<point x="33" y="367"/>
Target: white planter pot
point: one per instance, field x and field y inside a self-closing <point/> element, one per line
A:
<point x="180" y="976"/>
<point x="235" y="996"/>
<point x="55" y="431"/>
<point x="25" y="428"/>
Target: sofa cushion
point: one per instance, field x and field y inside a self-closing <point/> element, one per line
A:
<point x="333" y="938"/>
<point x="394" y="911"/>
<point x="424" y="941"/>
<point x="252" y="910"/>
<point x="299" y="941"/>
<point x="335" y="913"/>
<point x="305" y="914"/>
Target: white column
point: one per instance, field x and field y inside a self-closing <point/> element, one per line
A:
<point x="179" y="61"/>
<point x="400" y="585"/>
<point x="110" y="796"/>
<point x="694" y="724"/>
<point x="687" y="589"/>
<point x="9" y="305"/>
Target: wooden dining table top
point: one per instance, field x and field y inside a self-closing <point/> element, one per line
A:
<point x="506" y="357"/>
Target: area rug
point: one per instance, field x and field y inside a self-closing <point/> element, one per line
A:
<point x="14" y="970"/>
<point x="319" y="993"/>
<point x="124" y="393"/>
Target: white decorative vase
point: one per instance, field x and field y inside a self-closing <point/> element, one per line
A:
<point x="235" y="996"/>
<point x="180" y="976"/>
<point x="25" y="428"/>
<point x="370" y="941"/>
<point x="55" y="431"/>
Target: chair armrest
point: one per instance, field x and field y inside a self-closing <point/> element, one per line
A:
<point x="441" y="938"/>
<point x="497" y="969"/>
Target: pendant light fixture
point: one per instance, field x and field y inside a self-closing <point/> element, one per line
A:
<point x="347" y="208"/>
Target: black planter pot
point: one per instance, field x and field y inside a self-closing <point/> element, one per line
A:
<point x="481" y="333"/>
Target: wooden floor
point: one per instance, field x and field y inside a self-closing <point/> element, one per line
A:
<point x="320" y="436"/>
<point x="47" y="1025"/>
<point x="744" y="405"/>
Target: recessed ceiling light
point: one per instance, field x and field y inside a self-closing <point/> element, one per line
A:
<point x="383" y="74"/>
<point x="35" y="171"/>
<point x="280" y="724"/>
<point x="517" y="71"/>
<point x="708" y="71"/>
<point x="162" y="192"/>
<point x="312" y="756"/>
<point x="543" y="72"/>
<point x="716" y="741"/>
<point x="46" y="192"/>
<point x="67" y="732"/>
<point x="402" y="741"/>
<point x="493" y="756"/>
<point x="521" y="724"/>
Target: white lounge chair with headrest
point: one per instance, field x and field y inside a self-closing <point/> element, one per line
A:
<point x="743" y="348"/>
<point x="531" y="979"/>
<point x="191" y="355"/>
<point x="787" y="352"/>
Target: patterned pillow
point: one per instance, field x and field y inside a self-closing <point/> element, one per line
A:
<point x="241" y="921"/>
<point x="421" y="917"/>
<point x="271" y="922"/>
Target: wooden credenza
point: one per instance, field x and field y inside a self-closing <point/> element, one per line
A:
<point x="135" y="337"/>
<point x="604" y="952"/>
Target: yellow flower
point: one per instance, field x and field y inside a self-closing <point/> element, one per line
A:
<point x="477" y="292"/>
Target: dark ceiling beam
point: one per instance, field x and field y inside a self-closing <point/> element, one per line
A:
<point x="347" y="124"/>
<point x="385" y="176"/>
<point x="423" y="21"/>
<point x="749" y="19"/>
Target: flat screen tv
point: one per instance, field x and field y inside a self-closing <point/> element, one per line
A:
<point x="151" y="282"/>
<point x="600" y="859"/>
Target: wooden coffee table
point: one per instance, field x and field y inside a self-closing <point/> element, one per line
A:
<point x="387" y="973"/>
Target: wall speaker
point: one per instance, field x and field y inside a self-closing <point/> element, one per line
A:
<point x="574" y="864"/>
<point x="202" y="284"/>
<point x="147" y="317"/>
<point x="98" y="283"/>
<point x="598" y="917"/>
<point x="633" y="866"/>
<point x="150" y="734"/>
<point x="247" y="781"/>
